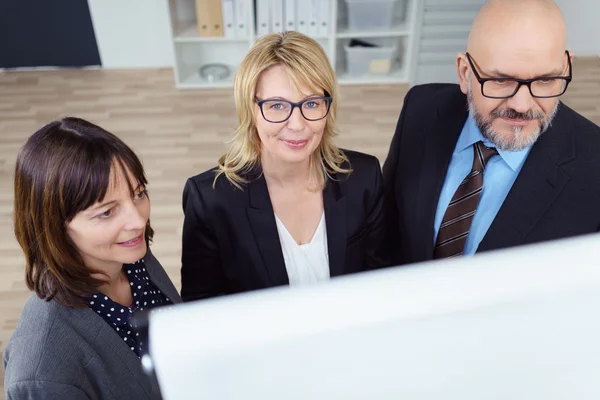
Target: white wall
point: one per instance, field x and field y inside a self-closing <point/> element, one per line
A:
<point x="132" y="33"/>
<point x="583" y="26"/>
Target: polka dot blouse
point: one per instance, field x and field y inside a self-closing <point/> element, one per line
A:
<point x="145" y="295"/>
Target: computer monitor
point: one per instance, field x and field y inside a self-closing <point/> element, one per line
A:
<point x="521" y="323"/>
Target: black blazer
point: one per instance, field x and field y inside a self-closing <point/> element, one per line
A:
<point x="230" y="239"/>
<point x="556" y="195"/>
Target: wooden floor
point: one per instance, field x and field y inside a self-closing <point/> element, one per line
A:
<point x="177" y="134"/>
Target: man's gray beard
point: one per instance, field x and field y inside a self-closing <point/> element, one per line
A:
<point x="517" y="142"/>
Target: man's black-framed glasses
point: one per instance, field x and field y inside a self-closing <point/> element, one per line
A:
<point x="505" y="87"/>
<point x="279" y="110"/>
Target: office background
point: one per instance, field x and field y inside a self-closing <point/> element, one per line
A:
<point x="128" y="87"/>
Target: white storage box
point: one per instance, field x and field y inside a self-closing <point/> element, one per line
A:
<point x="364" y="15"/>
<point x="371" y="60"/>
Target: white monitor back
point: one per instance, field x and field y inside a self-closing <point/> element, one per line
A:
<point x="514" y="324"/>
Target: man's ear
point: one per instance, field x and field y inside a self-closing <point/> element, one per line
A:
<point x="462" y="67"/>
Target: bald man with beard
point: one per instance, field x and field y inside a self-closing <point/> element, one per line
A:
<point x="498" y="160"/>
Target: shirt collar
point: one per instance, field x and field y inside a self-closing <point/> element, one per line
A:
<point x="138" y="279"/>
<point x="471" y="135"/>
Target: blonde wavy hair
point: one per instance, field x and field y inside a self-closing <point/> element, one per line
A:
<point x="307" y="64"/>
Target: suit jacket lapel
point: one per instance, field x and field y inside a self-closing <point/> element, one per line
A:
<point x="539" y="182"/>
<point x="262" y="221"/>
<point x="441" y="136"/>
<point x="334" y="203"/>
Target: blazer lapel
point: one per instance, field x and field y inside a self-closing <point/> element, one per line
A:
<point x="160" y="278"/>
<point x="109" y="341"/>
<point x="262" y="221"/>
<point x="441" y="136"/>
<point x="539" y="182"/>
<point x="334" y="203"/>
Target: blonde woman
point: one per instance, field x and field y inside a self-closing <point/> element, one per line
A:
<point x="284" y="206"/>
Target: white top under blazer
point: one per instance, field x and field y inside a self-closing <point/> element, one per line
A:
<point x="305" y="263"/>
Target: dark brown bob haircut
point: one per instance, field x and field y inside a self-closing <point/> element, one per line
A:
<point x="62" y="169"/>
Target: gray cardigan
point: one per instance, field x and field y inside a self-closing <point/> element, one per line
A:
<point x="58" y="352"/>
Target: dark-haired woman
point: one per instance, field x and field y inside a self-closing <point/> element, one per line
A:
<point x="82" y="219"/>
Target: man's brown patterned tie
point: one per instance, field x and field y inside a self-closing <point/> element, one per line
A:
<point x="457" y="220"/>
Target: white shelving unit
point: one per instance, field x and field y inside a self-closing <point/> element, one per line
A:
<point x="192" y="51"/>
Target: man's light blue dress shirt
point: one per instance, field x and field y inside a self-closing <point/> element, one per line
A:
<point x="498" y="177"/>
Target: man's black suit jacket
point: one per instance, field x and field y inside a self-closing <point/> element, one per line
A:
<point x="230" y="239"/>
<point x="556" y="194"/>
